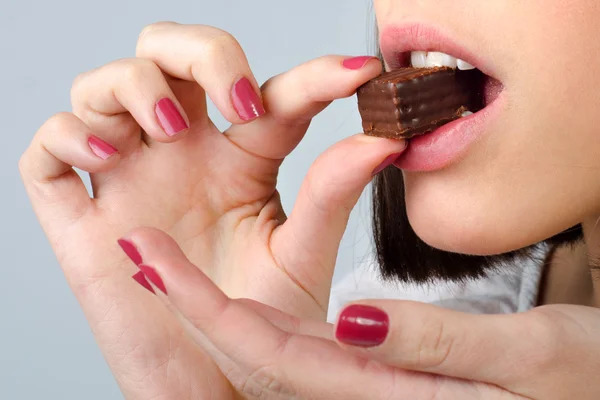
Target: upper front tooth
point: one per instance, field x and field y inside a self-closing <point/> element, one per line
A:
<point x="463" y="65"/>
<point x="418" y="59"/>
<point x="437" y="59"/>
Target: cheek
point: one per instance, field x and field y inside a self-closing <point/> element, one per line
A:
<point x="501" y="197"/>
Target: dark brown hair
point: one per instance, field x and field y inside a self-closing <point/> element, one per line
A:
<point x="403" y="256"/>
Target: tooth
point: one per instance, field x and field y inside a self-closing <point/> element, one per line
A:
<point x="463" y="65"/>
<point x="466" y="114"/>
<point x="418" y="59"/>
<point x="437" y="59"/>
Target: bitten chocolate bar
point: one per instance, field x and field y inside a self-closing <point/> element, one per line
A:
<point x="413" y="101"/>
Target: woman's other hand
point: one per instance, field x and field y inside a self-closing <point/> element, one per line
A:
<point x="140" y="128"/>
<point x="550" y="352"/>
<point x="267" y="354"/>
<point x="385" y="349"/>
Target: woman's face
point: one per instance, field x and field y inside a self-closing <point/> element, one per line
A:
<point x="534" y="168"/>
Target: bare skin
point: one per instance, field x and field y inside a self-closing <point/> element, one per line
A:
<point x="222" y="234"/>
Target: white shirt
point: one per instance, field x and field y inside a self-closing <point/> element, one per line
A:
<point x="514" y="289"/>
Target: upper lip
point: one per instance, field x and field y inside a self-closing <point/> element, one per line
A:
<point x="398" y="39"/>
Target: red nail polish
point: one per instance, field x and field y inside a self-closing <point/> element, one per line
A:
<point x="389" y="160"/>
<point x="169" y="117"/>
<point x="355" y="63"/>
<point x="141" y="279"/>
<point x="245" y="100"/>
<point x="100" y="148"/>
<point x="131" y="251"/>
<point x="153" y="277"/>
<point x="362" y="326"/>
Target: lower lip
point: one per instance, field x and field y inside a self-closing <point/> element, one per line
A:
<point x="449" y="143"/>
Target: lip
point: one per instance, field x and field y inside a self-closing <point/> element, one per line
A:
<point x="449" y="143"/>
<point x="397" y="40"/>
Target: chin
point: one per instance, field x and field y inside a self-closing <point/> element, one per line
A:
<point x="472" y="227"/>
<point x="480" y="240"/>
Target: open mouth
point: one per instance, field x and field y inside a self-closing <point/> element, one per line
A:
<point x="489" y="87"/>
<point x="420" y="45"/>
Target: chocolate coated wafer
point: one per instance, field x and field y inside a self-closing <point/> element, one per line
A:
<point x="413" y="101"/>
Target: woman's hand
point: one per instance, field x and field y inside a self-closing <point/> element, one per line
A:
<point x="140" y="128"/>
<point x="549" y="353"/>
<point x="268" y="354"/>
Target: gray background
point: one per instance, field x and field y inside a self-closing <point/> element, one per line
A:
<point x="46" y="348"/>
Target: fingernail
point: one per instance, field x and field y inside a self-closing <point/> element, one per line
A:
<point x="245" y="100"/>
<point x="100" y="148"/>
<point x="386" y="163"/>
<point x="355" y="63"/>
<point x="153" y="277"/>
<point x="362" y="326"/>
<point x="141" y="279"/>
<point x="131" y="251"/>
<point x="169" y="117"/>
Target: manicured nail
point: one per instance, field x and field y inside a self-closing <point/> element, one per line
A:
<point x="153" y="277"/>
<point x="100" y="148"/>
<point x="141" y="279"/>
<point x="387" y="162"/>
<point x="245" y="100"/>
<point x="362" y="326"/>
<point x="355" y="63"/>
<point x="131" y="251"/>
<point x="169" y="117"/>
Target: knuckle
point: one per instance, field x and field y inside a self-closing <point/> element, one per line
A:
<point x="217" y="43"/>
<point x="542" y="330"/>
<point x="57" y="122"/>
<point x="434" y="346"/>
<point x="428" y="344"/>
<point x="135" y="71"/>
<point x="262" y="383"/>
<point x="266" y="86"/>
<point x="150" y="29"/>
<point x="77" y="82"/>
<point x="23" y="162"/>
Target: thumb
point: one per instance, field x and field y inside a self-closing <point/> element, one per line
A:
<point x="306" y="245"/>
<point x="513" y="351"/>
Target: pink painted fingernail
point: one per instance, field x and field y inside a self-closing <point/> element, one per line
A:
<point x="169" y="117"/>
<point x="153" y="277"/>
<point x="131" y="251"/>
<point x="362" y="326"/>
<point x="386" y="163"/>
<point x="141" y="279"/>
<point x="100" y="148"/>
<point x="246" y="101"/>
<point x="355" y="63"/>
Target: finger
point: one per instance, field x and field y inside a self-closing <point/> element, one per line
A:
<point x="212" y="58"/>
<point x="56" y="191"/>
<point x="306" y="244"/>
<point x="117" y="97"/>
<point x="511" y="351"/>
<point x="289" y="323"/>
<point x="215" y="325"/>
<point x="273" y="361"/>
<point x="295" y="97"/>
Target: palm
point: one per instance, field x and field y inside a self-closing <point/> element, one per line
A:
<point x="206" y="193"/>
